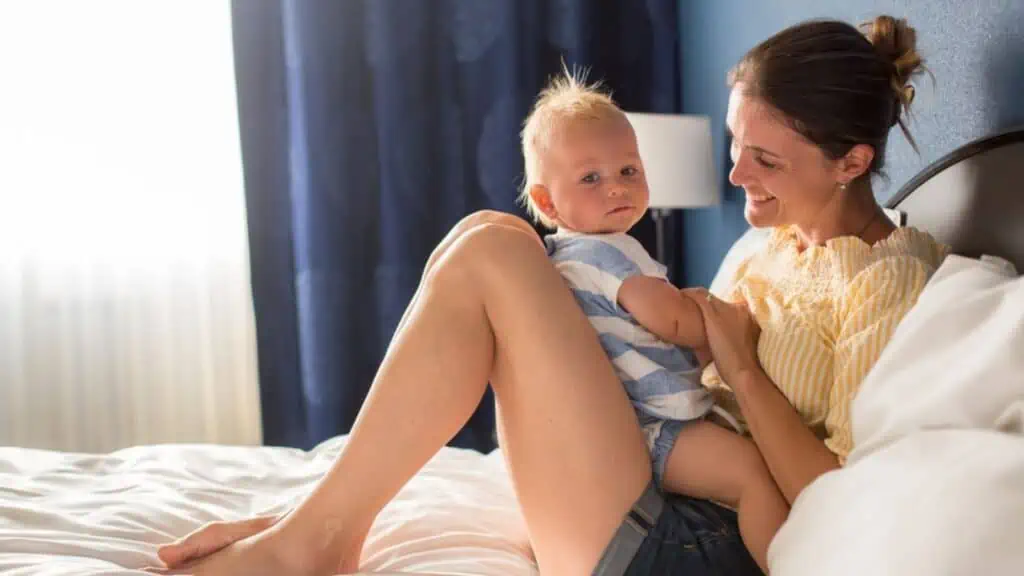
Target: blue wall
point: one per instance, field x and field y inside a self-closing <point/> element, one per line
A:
<point x="974" y="48"/>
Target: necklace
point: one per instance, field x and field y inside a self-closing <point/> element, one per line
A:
<point x="869" y="223"/>
<point x="802" y="243"/>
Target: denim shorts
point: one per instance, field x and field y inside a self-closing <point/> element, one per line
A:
<point x="660" y="444"/>
<point x="673" y="534"/>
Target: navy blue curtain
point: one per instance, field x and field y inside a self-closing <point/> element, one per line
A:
<point x="368" y="128"/>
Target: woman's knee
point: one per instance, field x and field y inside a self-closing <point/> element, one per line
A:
<point x="482" y="217"/>
<point x="487" y="250"/>
<point x="472" y="221"/>
<point x="497" y="242"/>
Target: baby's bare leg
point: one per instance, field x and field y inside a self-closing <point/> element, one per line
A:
<point x="716" y="464"/>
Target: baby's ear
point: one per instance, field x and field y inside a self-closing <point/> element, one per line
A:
<point x="541" y="198"/>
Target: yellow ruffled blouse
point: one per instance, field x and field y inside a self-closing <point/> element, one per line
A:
<point x="825" y="314"/>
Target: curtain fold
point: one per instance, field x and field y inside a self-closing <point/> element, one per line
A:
<point x="369" y="127"/>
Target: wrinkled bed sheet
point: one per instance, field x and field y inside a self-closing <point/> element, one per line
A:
<point x="63" y="514"/>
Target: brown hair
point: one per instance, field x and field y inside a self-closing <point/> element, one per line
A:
<point x="836" y="85"/>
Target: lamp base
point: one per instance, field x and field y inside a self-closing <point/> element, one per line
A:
<point x="659" y="215"/>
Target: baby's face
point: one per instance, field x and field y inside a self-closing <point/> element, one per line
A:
<point x="595" y="178"/>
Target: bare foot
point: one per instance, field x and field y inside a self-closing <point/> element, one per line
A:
<point x="272" y="553"/>
<point x="211" y="538"/>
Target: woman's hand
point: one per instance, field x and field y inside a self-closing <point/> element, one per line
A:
<point x="731" y="334"/>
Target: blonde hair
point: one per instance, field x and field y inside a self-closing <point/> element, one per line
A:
<point x="567" y="98"/>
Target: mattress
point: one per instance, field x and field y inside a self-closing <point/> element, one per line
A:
<point x="63" y="514"/>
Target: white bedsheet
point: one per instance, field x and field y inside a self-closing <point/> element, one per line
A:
<point x="63" y="514"/>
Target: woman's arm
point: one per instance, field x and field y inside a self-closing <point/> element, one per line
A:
<point x="874" y="303"/>
<point x="794" y="455"/>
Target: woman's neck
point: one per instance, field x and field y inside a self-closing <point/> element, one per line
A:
<point x="852" y="213"/>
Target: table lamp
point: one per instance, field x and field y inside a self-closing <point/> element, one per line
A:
<point x="679" y="165"/>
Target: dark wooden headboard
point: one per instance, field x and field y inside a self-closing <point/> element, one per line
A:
<point x="972" y="199"/>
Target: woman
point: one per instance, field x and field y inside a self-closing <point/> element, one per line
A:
<point x="810" y="111"/>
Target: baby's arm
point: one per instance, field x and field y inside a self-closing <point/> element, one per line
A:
<point x="660" y="308"/>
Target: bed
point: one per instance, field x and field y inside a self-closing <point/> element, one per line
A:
<point x="105" y="514"/>
<point x="935" y="485"/>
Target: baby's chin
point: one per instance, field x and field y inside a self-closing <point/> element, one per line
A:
<point x="626" y="220"/>
<point x="614" y="228"/>
<point x="600" y="228"/>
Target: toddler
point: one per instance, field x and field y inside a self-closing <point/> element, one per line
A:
<point x="585" y="180"/>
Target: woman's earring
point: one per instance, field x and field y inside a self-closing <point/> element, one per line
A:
<point x="843" y="186"/>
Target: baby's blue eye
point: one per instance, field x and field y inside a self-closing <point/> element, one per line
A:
<point x="591" y="178"/>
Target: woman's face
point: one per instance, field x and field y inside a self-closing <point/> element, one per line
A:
<point x="787" y="179"/>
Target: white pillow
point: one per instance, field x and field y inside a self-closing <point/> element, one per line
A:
<point x="935" y="483"/>
<point x="938" y="502"/>
<point x="955" y="361"/>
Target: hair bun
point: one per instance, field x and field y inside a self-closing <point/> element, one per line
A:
<point x="896" y="42"/>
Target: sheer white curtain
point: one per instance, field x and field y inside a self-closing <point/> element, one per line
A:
<point x="125" y="307"/>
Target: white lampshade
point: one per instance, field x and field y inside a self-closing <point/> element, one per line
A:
<point x="678" y="161"/>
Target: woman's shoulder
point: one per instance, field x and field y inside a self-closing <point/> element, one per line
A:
<point x="907" y="253"/>
<point x="916" y="243"/>
<point x="903" y="241"/>
<point x="907" y="245"/>
<point x="895" y="268"/>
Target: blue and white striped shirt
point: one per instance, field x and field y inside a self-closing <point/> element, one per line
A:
<point x="661" y="379"/>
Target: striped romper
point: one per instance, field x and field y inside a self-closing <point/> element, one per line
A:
<point x="661" y="379"/>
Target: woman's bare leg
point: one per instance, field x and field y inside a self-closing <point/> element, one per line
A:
<point x="492" y="308"/>
<point x="495" y="309"/>
<point x="215" y="536"/>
